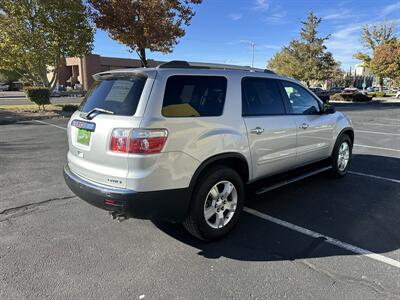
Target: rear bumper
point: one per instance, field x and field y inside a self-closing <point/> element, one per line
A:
<point x="164" y="205"/>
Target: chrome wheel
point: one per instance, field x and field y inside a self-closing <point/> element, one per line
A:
<point x="343" y="156"/>
<point x="220" y="205"/>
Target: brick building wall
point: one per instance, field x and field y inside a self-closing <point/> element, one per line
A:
<point x="81" y="69"/>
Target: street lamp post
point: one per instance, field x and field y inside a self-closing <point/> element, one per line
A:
<point x="252" y="46"/>
<point x="252" y="60"/>
<point x="364" y="84"/>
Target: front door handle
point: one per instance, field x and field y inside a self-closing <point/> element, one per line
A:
<point x="304" y="126"/>
<point x="257" y="130"/>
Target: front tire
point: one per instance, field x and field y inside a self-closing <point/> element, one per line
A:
<point x="341" y="156"/>
<point x="217" y="202"/>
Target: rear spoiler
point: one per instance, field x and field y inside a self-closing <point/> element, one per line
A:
<point x="124" y="74"/>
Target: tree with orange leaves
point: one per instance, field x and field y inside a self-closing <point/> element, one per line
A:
<point x="386" y="61"/>
<point x="155" y="25"/>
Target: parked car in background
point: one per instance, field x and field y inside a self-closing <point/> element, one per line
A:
<point x="321" y="93"/>
<point x="335" y="90"/>
<point x="58" y="91"/>
<point x="317" y="90"/>
<point x="4" y="87"/>
<point x="181" y="142"/>
<point x="350" y="90"/>
<point x="61" y="91"/>
<point x="76" y="93"/>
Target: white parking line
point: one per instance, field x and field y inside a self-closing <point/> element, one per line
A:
<point x="398" y="120"/>
<point x="378" y="124"/>
<point x="388" y="119"/>
<point x="50" y="124"/>
<point x="375" y="176"/>
<point x="379" y="148"/>
<point x="332" y="241"/>
<point x="361" y="119"/>
<point x="376" y="132"/>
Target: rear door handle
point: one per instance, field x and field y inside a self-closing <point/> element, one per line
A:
<point x="304" y="126"/>
<point x="257" y="130"/>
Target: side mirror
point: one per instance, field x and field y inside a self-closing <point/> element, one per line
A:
<point x="328" y="109"/>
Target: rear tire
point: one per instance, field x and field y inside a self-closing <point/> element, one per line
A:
<point x="341" y="156"/>
<point x="217" y="202"/>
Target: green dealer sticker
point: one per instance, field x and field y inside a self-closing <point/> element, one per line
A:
<point x="83" y="137"/>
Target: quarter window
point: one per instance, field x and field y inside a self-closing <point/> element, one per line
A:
<point x="194" y="96"/>
<point x="261" y="96"/>
<point x="301" y="101"/>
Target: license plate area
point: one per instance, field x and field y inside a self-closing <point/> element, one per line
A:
<point x="84" y="132"/>
<point x="83" y="136"/>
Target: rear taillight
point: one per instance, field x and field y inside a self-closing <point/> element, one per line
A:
<point x="147" y="141"/>
<point x="119" y="140"/>
<point x="139" y="141"/>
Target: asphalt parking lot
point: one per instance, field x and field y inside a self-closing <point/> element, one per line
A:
<point x="320" y="238"/>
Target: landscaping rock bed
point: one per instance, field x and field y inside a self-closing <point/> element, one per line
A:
<point x="350" y="97"/>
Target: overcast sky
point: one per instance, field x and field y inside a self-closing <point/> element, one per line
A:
<point x="221" y="29"/>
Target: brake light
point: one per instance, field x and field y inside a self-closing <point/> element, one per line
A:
<point x="119" y="140"/>
<point x="147" y="141"/>
<point x="138" y="141"/>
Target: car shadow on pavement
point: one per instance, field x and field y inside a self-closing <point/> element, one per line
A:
<point x="357" y="210"/>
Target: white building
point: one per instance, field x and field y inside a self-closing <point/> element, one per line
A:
<point x="360" y="70"/>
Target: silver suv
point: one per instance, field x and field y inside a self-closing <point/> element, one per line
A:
<point x="183" y="141"/>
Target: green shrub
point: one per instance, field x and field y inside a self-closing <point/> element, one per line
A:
<point x="38" y="95"/>
<point x="350" y="97"/>
<point x="69" y="107"/>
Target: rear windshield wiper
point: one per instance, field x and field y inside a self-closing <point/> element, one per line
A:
<point x="94" y="112"/>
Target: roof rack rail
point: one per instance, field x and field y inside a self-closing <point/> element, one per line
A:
<point x="181" y="64"/>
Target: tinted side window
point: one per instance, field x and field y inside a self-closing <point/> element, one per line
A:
<point x="194" y="96"/>
<point x="301" y="101"/>
<point x="261" y="96"/>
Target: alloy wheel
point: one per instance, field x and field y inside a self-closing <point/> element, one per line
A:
<point x="220" y="204"/>
<point x="343" y="156"/>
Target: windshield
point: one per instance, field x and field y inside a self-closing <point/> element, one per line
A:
<point x="118" y="95"/>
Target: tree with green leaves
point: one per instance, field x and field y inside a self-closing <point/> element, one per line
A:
<point x="374" y="36"/>
<point x="155" y="25"/>
<point x="36" y="34"/>
<point x="306" y="59"/>
<point x="8" y="76"/>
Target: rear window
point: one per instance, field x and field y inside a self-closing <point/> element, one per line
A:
<point x="119" y="95"/>
<point x="194" y="96"/>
